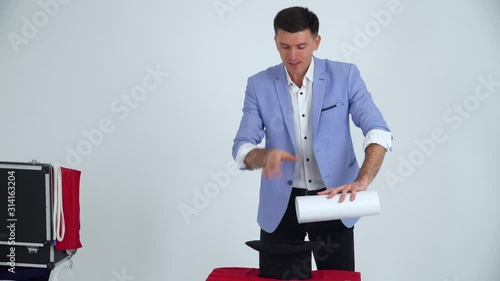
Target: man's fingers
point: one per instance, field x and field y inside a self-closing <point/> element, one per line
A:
<point x="272" y="167"/>
<point x="330" y="192"/>
<point x="353" y="195"/>
<point x="270" y="173"/>
<point x="290" y="157"/>
<point x="267" y="172"/>
<point x="271" y="170"/>
<point x="333" y="192"/>
<point x="277" y="172"/>
<point x="276" y="169"/>
<point x="343" y="190"/>
<point x="344" y="193"/>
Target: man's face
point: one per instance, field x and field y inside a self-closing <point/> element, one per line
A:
<point x="296" y="50"/>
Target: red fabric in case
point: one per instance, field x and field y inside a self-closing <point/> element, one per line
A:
<point x="71" y="208"/>
<point x="252" y="274"/>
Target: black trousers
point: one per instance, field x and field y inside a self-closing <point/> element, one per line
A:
<point x="336" y="240"/>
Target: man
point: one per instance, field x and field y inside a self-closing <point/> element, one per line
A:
<point x="302" y="108"/>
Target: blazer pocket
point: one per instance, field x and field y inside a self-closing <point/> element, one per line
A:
<point x="332" y="106"/>
<point x="353" y="161"/>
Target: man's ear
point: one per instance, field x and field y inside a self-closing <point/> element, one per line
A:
<point x="317" y="40"/>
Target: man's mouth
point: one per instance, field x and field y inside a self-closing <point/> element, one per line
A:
<point x="294" y="63"/>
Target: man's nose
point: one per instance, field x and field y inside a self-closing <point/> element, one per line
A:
<point x="293" y="53"/>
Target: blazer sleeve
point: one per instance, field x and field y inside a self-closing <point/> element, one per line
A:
<point x="251" y="128"/>
<point x="364" y="112"/>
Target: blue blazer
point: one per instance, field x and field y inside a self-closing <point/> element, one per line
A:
<point x="338" y="91"/>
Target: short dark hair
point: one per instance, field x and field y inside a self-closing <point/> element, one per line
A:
<point x="295" y="19"/>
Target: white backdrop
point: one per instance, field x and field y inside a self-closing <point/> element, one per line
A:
<point x="144" y="97"/>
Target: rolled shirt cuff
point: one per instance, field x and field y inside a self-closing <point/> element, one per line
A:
<point x="379" y="137"/>
<point x="242" y="154"/>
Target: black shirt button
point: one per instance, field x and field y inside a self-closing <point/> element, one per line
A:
<point x="307" y="159"/>
<point x="310" y="180"/>
<point x="305" y="138"/>
<point x="303" y="115"/>
<point x="290" y="182"/>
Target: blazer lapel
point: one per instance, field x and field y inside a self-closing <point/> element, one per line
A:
<point x="318" y="92"/>
<point x="283" y="94"/>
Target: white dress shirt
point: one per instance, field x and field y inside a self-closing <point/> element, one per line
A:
<point x="307" y="174"/>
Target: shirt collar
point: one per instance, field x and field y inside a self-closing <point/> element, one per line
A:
<point x="308" y="78"/>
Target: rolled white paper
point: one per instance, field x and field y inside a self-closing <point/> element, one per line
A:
<point x="317" y="208"/>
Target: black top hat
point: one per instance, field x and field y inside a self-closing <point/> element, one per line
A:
<point x="284" y="260"/>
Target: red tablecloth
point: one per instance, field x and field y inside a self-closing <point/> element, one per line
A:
<point x="251" y="274"/>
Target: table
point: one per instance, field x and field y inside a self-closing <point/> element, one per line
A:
<point x="251" y="274"/>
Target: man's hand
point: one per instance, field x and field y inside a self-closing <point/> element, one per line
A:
<point x="374" y="155"/>
<point x="344" y="189"/>
<point x="269" y="160"/>
<point x="273" y="162"/>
